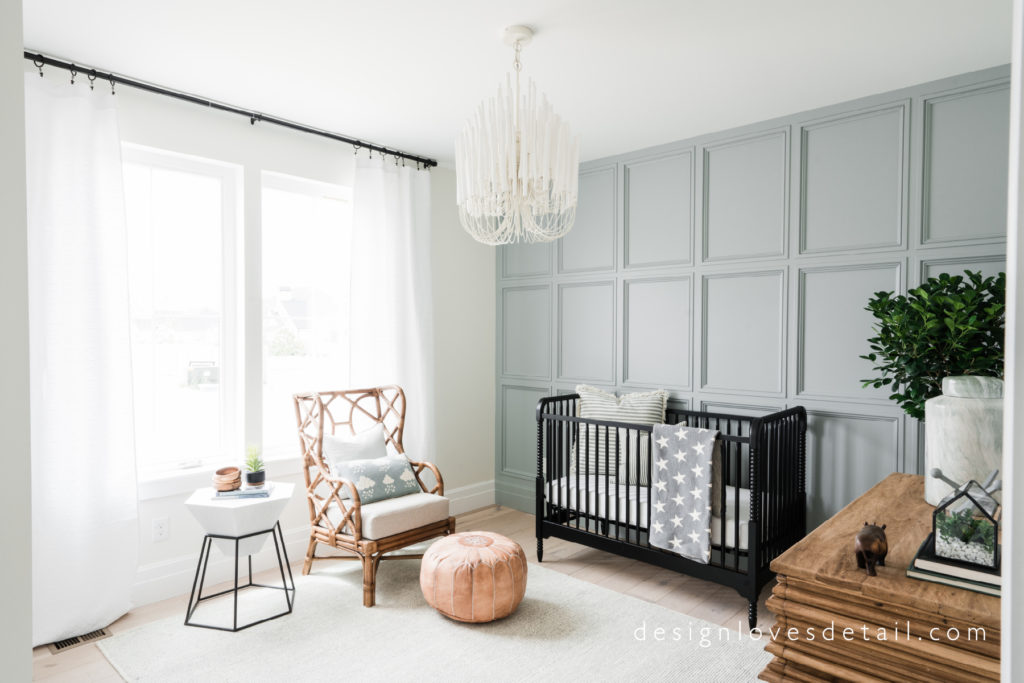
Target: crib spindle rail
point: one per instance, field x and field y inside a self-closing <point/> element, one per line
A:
<point x="593" y="487"/>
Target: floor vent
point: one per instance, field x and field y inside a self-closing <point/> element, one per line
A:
<point x="71" y="643"/>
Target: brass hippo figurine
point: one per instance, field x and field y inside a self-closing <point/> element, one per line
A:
<point x="871" y="547"/>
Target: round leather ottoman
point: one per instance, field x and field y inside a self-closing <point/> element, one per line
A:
<point x="474" y="576"/>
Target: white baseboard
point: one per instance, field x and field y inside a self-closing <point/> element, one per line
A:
<point x="172" y="577"/>
<point x="472" y="497"/>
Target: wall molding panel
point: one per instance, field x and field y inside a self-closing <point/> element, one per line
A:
<point x="964" y="165"/>
<point x="745" y="198"/>
<point x="743" y="333"/>
<point x="590" y="245"/>
<point x="733" y="270"/>
<point x="659" y="209"/>
<point x="825" y="343"/>
<point x="853" y="190"/>
<point x="661" y="358"/>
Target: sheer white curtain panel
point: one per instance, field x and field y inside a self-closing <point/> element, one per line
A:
<point x="392" y="318"/>
<point x="84" y="502"/>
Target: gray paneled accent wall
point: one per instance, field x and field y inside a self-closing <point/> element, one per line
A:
<point x="733" y="269"/>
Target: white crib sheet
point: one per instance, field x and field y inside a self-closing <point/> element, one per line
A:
<point x="620" y="497"/>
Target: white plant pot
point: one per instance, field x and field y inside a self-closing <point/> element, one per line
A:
<point x="963" y="433"/>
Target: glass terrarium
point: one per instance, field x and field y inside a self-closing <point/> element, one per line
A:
<point x="965" y="527"/>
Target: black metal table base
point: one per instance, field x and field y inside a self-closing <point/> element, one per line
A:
<point x="197" y="596"/>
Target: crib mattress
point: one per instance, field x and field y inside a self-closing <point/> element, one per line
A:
<point x="622" y="497"/>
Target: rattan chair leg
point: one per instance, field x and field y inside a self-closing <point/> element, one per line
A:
<point x="369" y="581"/>
<point x="310" y="556"/>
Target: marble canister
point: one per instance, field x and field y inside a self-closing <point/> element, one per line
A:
<point x="963" y="433"/>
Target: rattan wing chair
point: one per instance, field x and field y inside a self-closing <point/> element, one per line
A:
<point x="339" y="521"/>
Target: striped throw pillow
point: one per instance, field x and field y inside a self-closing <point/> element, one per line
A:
<point x="646" y="408"/>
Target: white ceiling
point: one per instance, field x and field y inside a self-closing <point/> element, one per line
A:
<point x="625" y="74"/>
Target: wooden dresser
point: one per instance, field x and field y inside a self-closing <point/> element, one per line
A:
<point x="819" y="586"/>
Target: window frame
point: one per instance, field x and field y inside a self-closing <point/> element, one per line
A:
<point x="232" y="329"/>
<point x="299" y="185"/>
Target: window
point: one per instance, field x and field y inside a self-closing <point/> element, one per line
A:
<point x="305" y="273"/>
<point x="182" y="216"/>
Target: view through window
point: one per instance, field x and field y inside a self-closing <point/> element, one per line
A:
<point x="305" y="272"/>
<point x="181" y="222"/>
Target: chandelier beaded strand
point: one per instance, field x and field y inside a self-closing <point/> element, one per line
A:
<point x="517" y="166"/>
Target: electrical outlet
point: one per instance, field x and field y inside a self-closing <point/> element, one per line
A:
<point x="161" y="529"/>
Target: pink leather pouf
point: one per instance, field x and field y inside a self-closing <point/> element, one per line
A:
<point x="474" y="576"/>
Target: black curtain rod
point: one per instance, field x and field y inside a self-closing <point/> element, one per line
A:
<point x="92" y="74"/>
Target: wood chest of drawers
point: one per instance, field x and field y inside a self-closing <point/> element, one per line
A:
<point x="887" y="627"/>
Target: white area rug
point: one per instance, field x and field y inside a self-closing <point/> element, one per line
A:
<point x="564" y="630"/>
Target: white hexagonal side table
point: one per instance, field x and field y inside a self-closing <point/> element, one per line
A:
<point x="239" y="528"/>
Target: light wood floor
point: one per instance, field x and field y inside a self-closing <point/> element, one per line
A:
<point x="700" y="599"/>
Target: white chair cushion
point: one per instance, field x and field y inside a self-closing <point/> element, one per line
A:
<point x="395" y="515"/>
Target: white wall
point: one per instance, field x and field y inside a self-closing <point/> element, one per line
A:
<point x="15" y="503"/>
<point x="464" y="327"/>
<point x="464" y="311"/>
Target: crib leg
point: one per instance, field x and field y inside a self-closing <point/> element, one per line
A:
<point x="540" y="549"/>
<point x="752" y="614"/>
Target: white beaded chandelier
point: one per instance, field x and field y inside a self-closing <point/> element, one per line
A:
<point x="517" y="166"/>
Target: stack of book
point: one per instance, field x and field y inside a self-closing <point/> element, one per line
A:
<point x="928" y="566"/>
<point x="245" y="492"/>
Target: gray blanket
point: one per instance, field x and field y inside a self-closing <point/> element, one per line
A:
<point x="681" y="490"/>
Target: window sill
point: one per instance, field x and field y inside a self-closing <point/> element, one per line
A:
<point x="178" y="482"/>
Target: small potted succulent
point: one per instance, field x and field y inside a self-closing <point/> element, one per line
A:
<point x="255" y="474"/>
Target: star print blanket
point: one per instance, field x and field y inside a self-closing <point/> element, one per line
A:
<point x="681" y="490"/>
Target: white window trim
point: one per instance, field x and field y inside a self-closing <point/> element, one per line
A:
<point x="232" y="339"/>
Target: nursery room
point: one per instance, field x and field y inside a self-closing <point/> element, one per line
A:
<point x="550" y="340"/>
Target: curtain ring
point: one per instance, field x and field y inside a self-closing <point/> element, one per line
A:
<point x="39" y="65"/>
<point x="73" y="74"/>
<point x="355" y="149"/>
<point x="92" y="79"/>
<point x="112" y="86"/>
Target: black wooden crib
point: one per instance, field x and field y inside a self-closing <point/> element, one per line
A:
<point x="759" y="507"/>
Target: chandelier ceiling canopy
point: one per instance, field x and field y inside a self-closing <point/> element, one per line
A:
<point x="516" y="164"/>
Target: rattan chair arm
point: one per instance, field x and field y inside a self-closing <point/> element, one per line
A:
<point x="418" y="467"/>
<point x="354" y="504"/>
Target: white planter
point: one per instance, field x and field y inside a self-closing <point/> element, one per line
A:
<point x="963" y="433"/>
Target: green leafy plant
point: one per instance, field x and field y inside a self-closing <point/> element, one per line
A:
<point x="950" y="325"/>
<point x="963" y="526"/>
<point x="253" y="460"/>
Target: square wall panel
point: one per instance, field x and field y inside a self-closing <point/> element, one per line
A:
<point x="967" y="136"/>
<point x="745" y="190"/>
<point x="659" y="211"/>
<point x="743" y="325"/>
<point x="989" y="266"/>
<point x="586" y="332"/>
<point x="590" y="245"/>
<point x="656" y="324"/>
<point x="526" y="332"/>
<point x="834" y="328"/>
<point x="525" y="260"/>
<point x="853" y="181"/>
<point x="519" y="429"/>
<point x="846" y="455"/>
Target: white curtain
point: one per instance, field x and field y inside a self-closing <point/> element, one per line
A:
<point x="392" y="311"/>
<point x="84" y="503"/>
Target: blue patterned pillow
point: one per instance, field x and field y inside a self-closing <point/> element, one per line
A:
<point x="379" y="478"/>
